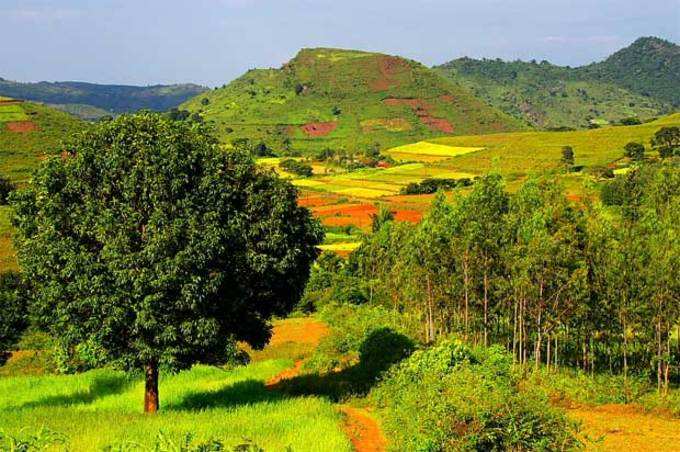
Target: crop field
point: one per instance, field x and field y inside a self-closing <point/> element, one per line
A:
<point x="102" y="408"/>
<point x="378" y="182"/>
<point x="522" y="153"/>
<point x="428" y="152"/>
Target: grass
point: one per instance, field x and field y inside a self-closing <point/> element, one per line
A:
<point x="103" y="407"/>
<point x="526" y="152"/>
<point x="12" y="112"/>
<point x="7" y="254"/>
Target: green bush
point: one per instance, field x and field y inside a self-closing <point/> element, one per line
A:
<point x="454" y="397"/>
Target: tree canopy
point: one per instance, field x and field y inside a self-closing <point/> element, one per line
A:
<point x="154" y="247"/>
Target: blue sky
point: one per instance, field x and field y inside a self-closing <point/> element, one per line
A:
<point x="213" y="41"/>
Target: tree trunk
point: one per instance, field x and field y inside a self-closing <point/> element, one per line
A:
<point x="151" y="400"/>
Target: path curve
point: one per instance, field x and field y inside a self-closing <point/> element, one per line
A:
<point x="363" y="431"/>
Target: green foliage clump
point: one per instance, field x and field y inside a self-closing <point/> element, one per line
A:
<point x="455" y="397"/>
<point x="296" y="167"/>
<point x="14" y="313"/>
<point x="146" y="245"/>
<point x="6" y="187"/>
<point x="432" y="185"/>
<point x="634" y="151"/>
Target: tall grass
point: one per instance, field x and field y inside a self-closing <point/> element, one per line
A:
<point x="102" y="408"/>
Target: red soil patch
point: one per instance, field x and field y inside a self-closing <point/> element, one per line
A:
<point x="412" y="216"/>
<point x="313" y="201"/>
<point x="21" y="126"/>
<point x="389" y="67"/>
<point x="319" y="129"/>
<point x="346" y="209"/>
<point x="423" y="111"/>
<point x="363" y="431"/>
<point x="574" y="197"/>
<point x="448" y="98"/>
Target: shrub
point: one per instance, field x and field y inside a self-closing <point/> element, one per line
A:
<point x="6" y="187"/>
<point x="432" y="185"/>
<point x="296" y="167"/>
<point x="634" y="151"/>
<point x="455" y="397"/>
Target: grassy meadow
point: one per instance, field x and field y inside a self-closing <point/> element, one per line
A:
<point x="103" y="408"/>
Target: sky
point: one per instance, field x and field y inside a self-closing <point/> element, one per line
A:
<point x="211" y="42"/>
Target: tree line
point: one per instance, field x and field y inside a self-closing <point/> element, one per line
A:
<point x="555" y="281"/>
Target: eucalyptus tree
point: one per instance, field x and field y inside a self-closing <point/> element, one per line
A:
<point x="150" y="243"/>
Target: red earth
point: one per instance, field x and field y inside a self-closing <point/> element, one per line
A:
<point x="21" y="126"/>
<point x="423" y="111"/>
<point x="389" y="68"/>
<point x="319" y="129"/>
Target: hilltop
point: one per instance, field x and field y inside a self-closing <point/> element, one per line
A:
<point x="345" y="100"/>
<point x="638" y="81"/>
<point x="90" y="100"/>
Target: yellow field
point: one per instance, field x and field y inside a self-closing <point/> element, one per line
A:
<point x="342" y="246"/>
<point x="429" y="152"/>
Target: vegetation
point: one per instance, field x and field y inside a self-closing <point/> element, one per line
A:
<point x="427" y="186"/>
<point x="639" y="81"/>
<point x="296" y="167"/>
<point x="89" y="100"/>
<point x="130" y="219"/>
<point x="14" y="313"/>
<point x="99" y="409"/>
<point x="554" y="283"/>
<point x="346" y="101"/>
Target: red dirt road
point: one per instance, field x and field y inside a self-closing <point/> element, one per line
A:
<point x="363" y="431"/>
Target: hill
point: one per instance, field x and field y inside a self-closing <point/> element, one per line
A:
<point x="28" y="132"/>
<point x="345" y="100"/>
<point x="634" y="82"/>
<point x="650" y="67"/>
<point x="93" y="100"/>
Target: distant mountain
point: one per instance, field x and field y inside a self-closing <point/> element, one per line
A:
<point x="650" y="67"/>
<point x="345" y="100"/>
<point x="635" y="81"/>
<point x="80" y="98"/>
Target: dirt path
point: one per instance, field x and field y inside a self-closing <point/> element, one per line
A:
<point x="626" y="427"/>
<point x="363" y="431"/>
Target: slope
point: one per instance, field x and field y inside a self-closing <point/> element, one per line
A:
<point x="345" y="100"/>
<point x="28" y="132"/>
<point x="634" y="82"/>
<point x="650" y="67"/>
<point x="94" y="99"/>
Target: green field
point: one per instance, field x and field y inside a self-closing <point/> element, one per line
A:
<point x="367" y="98"/>
<point x="103" y="408"/>
<point x="12" y="112"/>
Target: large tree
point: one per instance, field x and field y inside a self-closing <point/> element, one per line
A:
<point x="12" y="313"/>
<point x="150" y="243"/>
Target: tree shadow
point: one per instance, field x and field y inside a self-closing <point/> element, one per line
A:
<point x="102" y="386"/>
<point x="378" y="352"/>
<point x="240" y="393"/>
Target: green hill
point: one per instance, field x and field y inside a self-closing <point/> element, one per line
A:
<point x="634" y="82"/>
<point x="345" y="99"/>
<point x="94" y="100"/>
<point x="28" y="132"/>
<point x="649" y="67"/>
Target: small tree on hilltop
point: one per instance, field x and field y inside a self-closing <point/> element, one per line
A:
<point x="157" y="248"/>
<point x="634" y="151"/>
<point x="568" y="156"/>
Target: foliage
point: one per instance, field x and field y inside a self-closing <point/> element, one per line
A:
<point x="13" y="312"/>
<point x="432" y="185"/>
<point x="667" y="141"/>
<point x="634" y="151"/>
<point x="6" y="187"/>
<point x="296" y="167"/>
<point x="149" y="246"/>
<point x="453" y="397"/>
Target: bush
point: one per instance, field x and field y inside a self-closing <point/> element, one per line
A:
<point x="432" y="185"/>
<point x="455" y="397"/>
<point x="296" y="167"/>
<point x="6" y="187"/>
